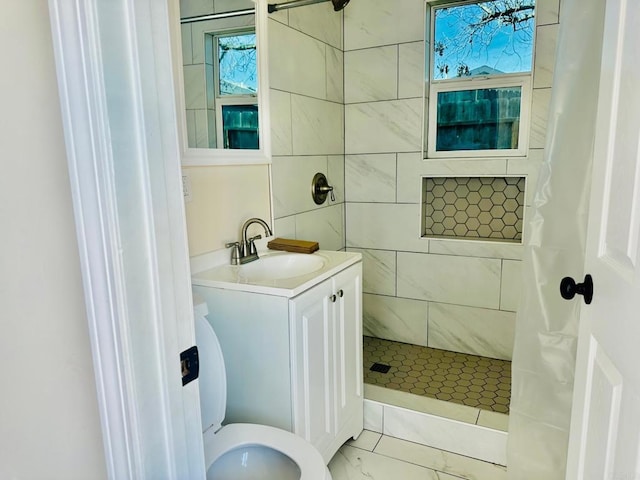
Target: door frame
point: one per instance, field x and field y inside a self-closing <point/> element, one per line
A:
<point x="116" y="90"/>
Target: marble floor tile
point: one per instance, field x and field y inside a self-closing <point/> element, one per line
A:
<point x="352" y="463"/>
<point x="366" y="441"/>
<point x="394" y="459"/>
<point x="439" y="460"/>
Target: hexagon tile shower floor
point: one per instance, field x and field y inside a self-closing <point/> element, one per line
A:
<point x="454" y="377"/>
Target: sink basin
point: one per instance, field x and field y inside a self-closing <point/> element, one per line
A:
<point x="281" y="266"/>
<point x="274" y="273"/>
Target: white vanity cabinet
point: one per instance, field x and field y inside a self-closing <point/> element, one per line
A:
<point x="326" y="361"/>
<point x="294" y="362"/>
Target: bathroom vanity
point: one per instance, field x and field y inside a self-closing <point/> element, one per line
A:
<point x="292" y="344"/>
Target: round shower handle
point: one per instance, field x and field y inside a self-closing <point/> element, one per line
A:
<point x="569" y="288"/>
<point x="320" y="188"/>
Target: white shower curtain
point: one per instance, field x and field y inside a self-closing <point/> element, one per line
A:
<point x="547" y="326"/>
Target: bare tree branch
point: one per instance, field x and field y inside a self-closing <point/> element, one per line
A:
<point x="468" y="31"/>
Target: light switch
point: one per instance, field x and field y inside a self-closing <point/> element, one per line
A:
<point x="186" y="188"/>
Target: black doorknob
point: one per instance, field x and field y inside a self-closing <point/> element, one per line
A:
<point x="569" y="288"/>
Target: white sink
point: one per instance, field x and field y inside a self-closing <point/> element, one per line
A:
<point x="280" y="266"/>
<point x="276" y="273"/>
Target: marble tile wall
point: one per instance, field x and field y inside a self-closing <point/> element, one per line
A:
<point x="307" y="121"/>
<point x="454" y="294"/>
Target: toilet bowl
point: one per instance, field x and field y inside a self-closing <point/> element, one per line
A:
<point x="244" y="451"/>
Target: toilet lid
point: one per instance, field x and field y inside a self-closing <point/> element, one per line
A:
<point x="212" y="380"/>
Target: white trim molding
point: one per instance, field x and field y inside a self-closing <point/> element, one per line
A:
<point x="116" y="89"/>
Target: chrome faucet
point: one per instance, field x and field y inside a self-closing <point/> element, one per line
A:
<point x="245" y="250"/>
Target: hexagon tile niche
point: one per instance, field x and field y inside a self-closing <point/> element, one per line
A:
<point x="473" y="207"/>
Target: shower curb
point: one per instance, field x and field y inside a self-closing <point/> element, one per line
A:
<point x="475" y="441"/>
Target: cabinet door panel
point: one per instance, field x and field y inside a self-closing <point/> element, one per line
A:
<point x="348" y="341"/>
<point x="312" y="364"/>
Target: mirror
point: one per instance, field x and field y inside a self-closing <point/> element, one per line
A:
<point x="220" y="75"/>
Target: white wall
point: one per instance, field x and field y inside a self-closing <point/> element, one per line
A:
<point x="49" y="423"/>
<point x="222" y="198"/>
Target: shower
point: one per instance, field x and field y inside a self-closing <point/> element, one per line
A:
<point x="337" y="4"/>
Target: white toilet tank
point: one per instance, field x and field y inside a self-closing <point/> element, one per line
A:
<point x="212" y="379"/>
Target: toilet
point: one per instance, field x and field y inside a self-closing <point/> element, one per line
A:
<point x="244" y="451"/>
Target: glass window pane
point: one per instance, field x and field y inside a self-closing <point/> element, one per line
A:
<point x="483" y="38"/>
<point x="237" y="65"/>
<point x="240" y="126"/>
<point x="483" y="119"/>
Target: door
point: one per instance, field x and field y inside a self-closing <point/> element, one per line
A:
<point x="312" y="365"/>
<point x="605" y="429"/>
<point x="348" y="345"/>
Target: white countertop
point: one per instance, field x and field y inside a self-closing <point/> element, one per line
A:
<point x="231" y="277"/>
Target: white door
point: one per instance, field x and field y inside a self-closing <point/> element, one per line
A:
<point x="312" y="345"/>
<point x="348" y="332"/>
<point x="605" y="429"/>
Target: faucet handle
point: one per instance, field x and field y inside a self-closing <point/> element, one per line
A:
<point x="235" y="252"/>
<point x="251" y="247"/>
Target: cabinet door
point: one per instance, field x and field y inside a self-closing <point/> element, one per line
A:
<point x="312" y="365"/>
<point x="348" y="345"/>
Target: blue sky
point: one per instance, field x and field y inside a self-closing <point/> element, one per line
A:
<point x="495" y="45"/>
<point x="239" y="67"/>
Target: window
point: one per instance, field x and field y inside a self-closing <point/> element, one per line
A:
<point x="233" y="90"/>
<point x="480" y="78"/>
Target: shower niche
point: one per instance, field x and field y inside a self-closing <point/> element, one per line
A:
<point x="473" y="208"/>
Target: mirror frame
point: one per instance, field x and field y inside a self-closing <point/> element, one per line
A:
<point x="222" y="156"/>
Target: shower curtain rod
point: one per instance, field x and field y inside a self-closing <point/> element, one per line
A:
<point x="274" y="7"/>
<point x="216" y="16"/>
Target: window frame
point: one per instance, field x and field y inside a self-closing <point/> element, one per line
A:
<point x="479" y="82"/>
